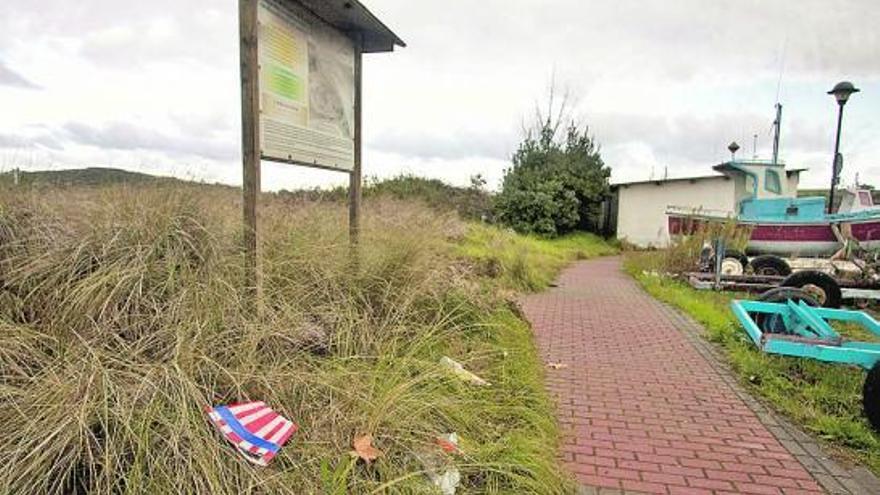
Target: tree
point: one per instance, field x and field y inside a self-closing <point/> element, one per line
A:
<point x="558" y="181"/>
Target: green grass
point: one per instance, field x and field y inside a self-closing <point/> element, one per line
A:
<point x="122" y="317"/>
<point x="824" y="399"/>
<point x="528" y="263"/>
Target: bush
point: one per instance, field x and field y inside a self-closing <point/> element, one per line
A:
<point x="555" y="186"/>
<point x="472" y="202"/>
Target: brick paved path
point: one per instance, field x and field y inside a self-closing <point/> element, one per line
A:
<point x="644" y="410"/>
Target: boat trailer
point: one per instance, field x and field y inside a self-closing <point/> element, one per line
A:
<point x="795" y="328"/>
<point x="859" y="286"/>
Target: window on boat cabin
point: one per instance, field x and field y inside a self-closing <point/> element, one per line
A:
<point x="772" y="182"/>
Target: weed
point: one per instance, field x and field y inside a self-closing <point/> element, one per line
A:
<point x="528" y="262"/>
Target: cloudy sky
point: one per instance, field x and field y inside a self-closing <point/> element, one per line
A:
<point x="663" y="84"/>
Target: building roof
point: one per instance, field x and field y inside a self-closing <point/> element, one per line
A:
<point x="732" y="166"/>
<point x="351" y="16"/>
<point x="722" y="170"/>
<point x="664" y="181"/>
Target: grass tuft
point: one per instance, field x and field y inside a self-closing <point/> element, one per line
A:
<point x="528" y="263"/>
<point x="121" y="318"/>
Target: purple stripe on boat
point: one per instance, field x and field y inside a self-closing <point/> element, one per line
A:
<point x="793" y="232"/>
<point x="868" y="231"/>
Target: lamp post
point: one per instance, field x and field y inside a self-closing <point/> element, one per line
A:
<point x="841" y="93"/>
<point x="733" y="148"/>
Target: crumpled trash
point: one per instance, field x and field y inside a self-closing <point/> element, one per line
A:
<point x="447" y="482"/>
<point x="462" y="373"/>
<point x="436" y="463"/>
<point x="449" y="443"/>
<point x="254" y="429"/>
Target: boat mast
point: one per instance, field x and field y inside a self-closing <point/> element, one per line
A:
<point x="777" y="130"/>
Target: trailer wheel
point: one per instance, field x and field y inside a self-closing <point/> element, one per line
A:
<point x="769" y="323"/>
<point x="871" y="397"/>
<point x="819" y="285"/>
<point x="770" y="265"/>
<point x="734" y="263"/>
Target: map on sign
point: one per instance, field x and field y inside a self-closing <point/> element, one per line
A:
<point x="306" y="88"/>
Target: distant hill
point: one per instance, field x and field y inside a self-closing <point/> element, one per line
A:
<point x="94" y="176"/>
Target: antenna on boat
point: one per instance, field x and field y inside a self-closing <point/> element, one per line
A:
<point x="755" y="147"/>
<point x="777" y="124"/>
<point x="777" y="132"/>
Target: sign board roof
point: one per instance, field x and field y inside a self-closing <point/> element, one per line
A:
<point x="351" y="16"/>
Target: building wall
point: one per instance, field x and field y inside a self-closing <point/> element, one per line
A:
<point x="641" y="217"/>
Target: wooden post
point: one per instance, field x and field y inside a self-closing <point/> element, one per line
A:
<point x="356" y="179"/>
<point x="250" y="143"/>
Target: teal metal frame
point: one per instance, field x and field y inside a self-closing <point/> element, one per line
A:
<point x="808" y="333"/>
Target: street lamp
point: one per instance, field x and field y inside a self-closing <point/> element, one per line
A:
<point x="733" y="148"/>
<point x="841" y="93"/>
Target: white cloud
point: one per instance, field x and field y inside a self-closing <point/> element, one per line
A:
<point x="9" y="77"/>
<point x="154" y="85"/>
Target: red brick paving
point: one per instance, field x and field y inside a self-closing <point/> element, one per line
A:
<point x="642" y="410"/>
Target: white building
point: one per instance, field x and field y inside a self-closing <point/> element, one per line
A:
<point x="638" y="209"/>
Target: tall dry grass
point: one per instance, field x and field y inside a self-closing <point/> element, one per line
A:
<point x="121" y="318"/>
<point x="683" y="253"/>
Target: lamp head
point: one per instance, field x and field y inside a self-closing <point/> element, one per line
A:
<point x="842" y="91"/>
<point x="733" y="148"/>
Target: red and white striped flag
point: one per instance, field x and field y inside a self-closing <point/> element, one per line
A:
<point x="254" y="429"/>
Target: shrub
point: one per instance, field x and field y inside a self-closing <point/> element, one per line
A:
<point x="472" y="202"/>
<point x="556" y="185"/>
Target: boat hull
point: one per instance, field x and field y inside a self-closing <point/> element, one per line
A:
<point x="788" y="238"/>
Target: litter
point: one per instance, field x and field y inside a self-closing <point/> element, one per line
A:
<point x="462" y="373"/>
<point x="557" y="366"/>
<point x="434" y="462"/>
<point x="254" y="429"/>
<point x="449" y="443"/>
<point x="447" y="482"/>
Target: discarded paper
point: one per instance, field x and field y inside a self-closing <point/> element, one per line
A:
<point x="254" y="429"/>
<point x="447" y="482"/>
<point x="462" y="373"/>
<point x="449" y="443"/>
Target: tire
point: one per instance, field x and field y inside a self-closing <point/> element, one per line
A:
<point x="821" y="286"/>
<point x="731" y="255"/>
<point x="780" y="295"/>
<point x="770" y="265"/>
<point x="871" y="397"/>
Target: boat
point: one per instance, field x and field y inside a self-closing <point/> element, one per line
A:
<point x="780" y="224"/>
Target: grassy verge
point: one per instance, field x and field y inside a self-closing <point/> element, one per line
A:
<point x="824" y="399"/>
<point x="122" y="317"/>
<point x="527" y="262"/>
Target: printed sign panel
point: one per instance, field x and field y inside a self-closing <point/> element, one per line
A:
<point x="307" y="88"/>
